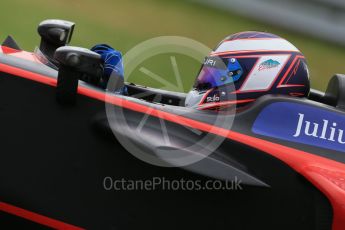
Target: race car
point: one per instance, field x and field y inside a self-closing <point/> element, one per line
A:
<point x="61" y="147"/>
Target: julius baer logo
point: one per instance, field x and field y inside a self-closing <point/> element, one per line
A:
<point x="326" y="130"/>
<point x="303" y="124"/>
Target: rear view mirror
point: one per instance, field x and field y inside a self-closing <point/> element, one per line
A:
<point x="74" y="64"/>
<point x="54" y="34"/>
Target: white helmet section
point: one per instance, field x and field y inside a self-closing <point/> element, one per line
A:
<point x="255" y="45"/>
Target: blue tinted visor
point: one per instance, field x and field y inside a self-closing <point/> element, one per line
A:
<point x="217" y="72"/>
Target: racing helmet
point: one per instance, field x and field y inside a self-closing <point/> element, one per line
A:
<point x="246" y="66"/>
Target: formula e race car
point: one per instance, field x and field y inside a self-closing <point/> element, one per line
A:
<point x="62" y="150"/>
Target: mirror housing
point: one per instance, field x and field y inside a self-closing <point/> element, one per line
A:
<point x="75" y="63"/>
<point x="54" y="34"/>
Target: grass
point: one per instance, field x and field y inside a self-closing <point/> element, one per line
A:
<point x="123" y="24"/>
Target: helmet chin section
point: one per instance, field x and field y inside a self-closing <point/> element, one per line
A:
<point x="194" y="98"/>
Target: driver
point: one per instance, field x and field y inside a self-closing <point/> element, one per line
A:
<point x="242" y="68"/>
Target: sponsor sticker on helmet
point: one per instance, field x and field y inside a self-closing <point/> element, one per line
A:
<point x="269" y="64"/>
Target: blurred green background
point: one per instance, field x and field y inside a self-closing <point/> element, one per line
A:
<point x="123" y="24"/>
